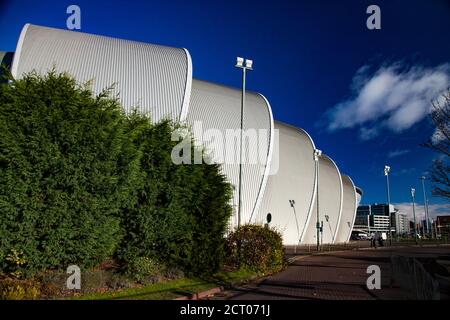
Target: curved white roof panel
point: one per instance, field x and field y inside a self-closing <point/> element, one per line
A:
<point x="330" y="203"/>
<point x="214" y="115"/>
<point x="348" y="210"/>
<point x="294" y="180"/>
<point x="155" y="79"/>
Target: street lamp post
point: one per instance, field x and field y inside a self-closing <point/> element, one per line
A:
<point x="327" y="218"/>
<point x="425" y="203"/>
<point x="317" y="155"/>
<point x="413" y="191"/>
<point x="292" y="203"/>
<point x="386" y="173"/>
<point x="247" y="66"/>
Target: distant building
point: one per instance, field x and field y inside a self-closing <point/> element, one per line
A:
<point x="402" y="224"/>
<point x="443" y="226"/>
<point x="375" y="217"/>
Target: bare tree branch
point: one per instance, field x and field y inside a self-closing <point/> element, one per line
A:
<point x="440" y="143"/>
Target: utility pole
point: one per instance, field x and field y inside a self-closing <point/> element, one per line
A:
<point x="425" y="203"/>
<point x="247" y="66"/>
<point x="387" y="169"/>
<point x="413" y="191"/>
<point x="317" y="155"/>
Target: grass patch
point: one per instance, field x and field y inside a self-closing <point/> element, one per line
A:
<point x="174" y="288"/>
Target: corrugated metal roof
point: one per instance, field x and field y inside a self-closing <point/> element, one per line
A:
<point x="155" y="79"/>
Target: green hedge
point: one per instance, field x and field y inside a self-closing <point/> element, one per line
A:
<point x="61" y="187"/>
<point x="181" y="212"/>
<point x="256" y="248"/>
<point x="80" y="181"/>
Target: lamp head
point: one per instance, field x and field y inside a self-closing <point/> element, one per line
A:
<point x="248" y="64"/>
<point x="239" y="62"/>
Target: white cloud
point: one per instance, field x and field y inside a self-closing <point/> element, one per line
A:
<point x="433" y="210"/>
<point x="394" y="97"/>
<point x="397" y="153"/>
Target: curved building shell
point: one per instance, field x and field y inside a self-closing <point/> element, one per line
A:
<point x="348" y="210"/>
<point x="292" y="180"/>
<point x="329" y="200"/>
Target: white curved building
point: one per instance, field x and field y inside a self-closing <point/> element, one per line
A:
<point x="294" y="180"/>
<point x="329" y="200"/>
<point x="279" y="172"/>
<point x="348" y="210"/>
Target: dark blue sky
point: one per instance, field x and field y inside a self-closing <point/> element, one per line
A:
<point x="305" y="54"/>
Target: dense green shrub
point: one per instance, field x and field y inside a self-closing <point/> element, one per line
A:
<point x="182" y="210"/>
<point x="66" y="168"/>
<point x="261" y="248"/>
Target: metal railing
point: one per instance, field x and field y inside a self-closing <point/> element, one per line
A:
<point x="410" y="274"/>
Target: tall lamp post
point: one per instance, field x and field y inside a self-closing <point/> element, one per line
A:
<point x="386" y="173"/>
<point x="425" y="204"/>
<point x="413" y="191"/>
<point x="244" y="66"/>
<point x="317" y="155"/>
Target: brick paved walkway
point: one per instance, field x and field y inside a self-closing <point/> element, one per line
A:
<point x="335" y="275"/>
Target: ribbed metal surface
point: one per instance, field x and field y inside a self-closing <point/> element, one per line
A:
<point x="330" y="203"/>
<point x="152" y="78"/>
<point x="348" y="210"/>
<point x="293" y="155"/>
<point x="218" y="108"/>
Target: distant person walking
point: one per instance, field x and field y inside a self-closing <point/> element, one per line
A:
<point x="380" y="239"/>
<point x="373" y="240"/>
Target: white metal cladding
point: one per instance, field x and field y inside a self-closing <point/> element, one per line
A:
<point x="294" y="180"/>
<point x="155" y="79"/>
<point x="348" y="210"/>
<point x="330" y="203"/>
<point x="216" y="109"/>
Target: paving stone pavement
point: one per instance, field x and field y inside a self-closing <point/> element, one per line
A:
<point x="334" y="275"/>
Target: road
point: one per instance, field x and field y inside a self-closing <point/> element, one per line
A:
<point x="333" y="275"/>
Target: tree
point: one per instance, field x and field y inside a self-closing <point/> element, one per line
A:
<point x="440" y="143"/>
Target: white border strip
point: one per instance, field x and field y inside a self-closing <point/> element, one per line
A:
<point x="18" y="53"/>
<point x="342" y="196"/>
<point x="187" y="89"/>
<point x="262" y="188"/>
<point x="356" y="208"/>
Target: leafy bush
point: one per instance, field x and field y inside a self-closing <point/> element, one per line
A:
<point x="261" y="248"/>
<point x="142" y="268"/>
<point x="66" y="169"/>
<point x="14" y="289"/>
